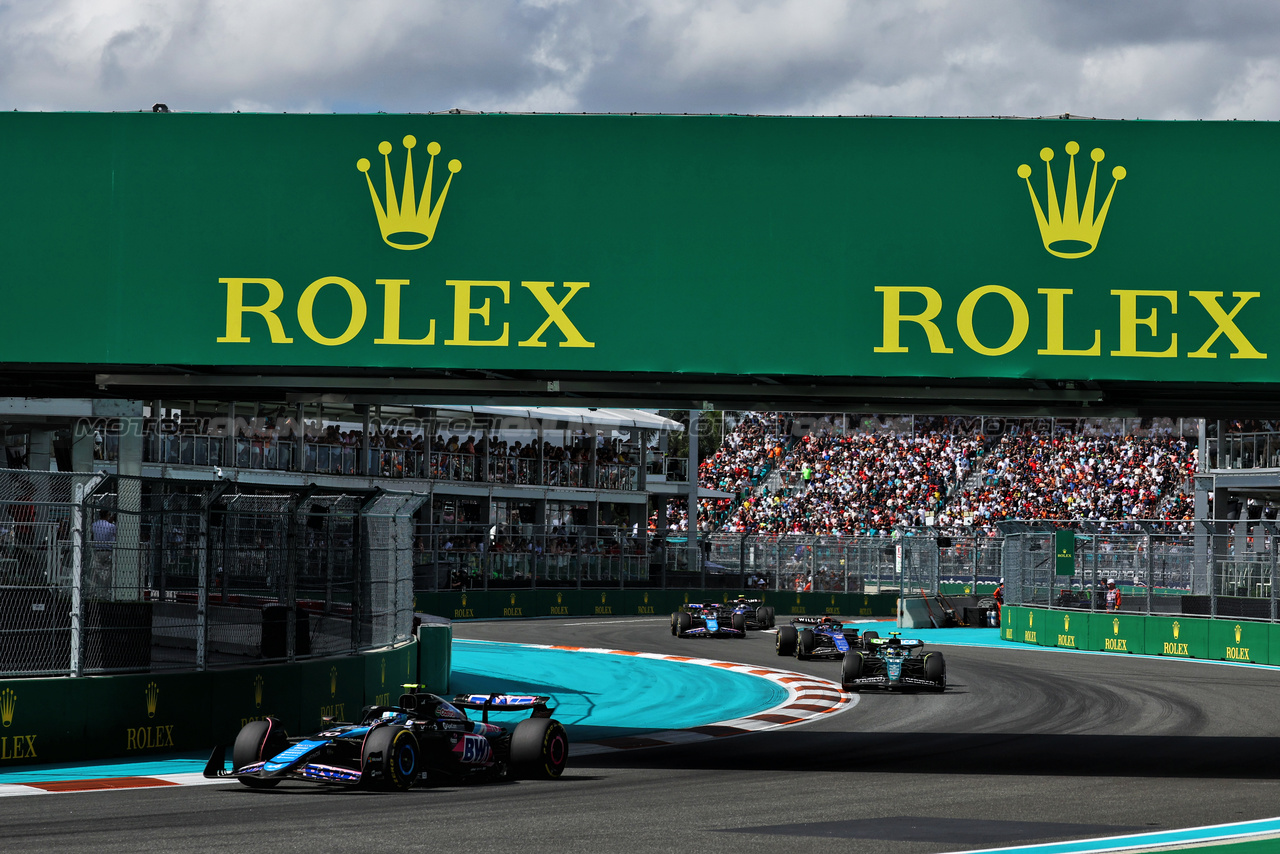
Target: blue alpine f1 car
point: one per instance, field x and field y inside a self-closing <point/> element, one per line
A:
<point x="708" y="621"/>
<point x="894" y="664"/>
<point x="394" y="747"/>
<point x="820" y="637"/>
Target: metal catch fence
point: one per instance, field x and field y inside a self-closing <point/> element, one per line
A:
<point x="108" y="574"/>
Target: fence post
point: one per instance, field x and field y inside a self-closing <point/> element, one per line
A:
<point x="1271" y="585"/>
<point x="1151" y="570"/>
<point x="77" y="578"/>
<point x="1211" y="565"/>
<point x="976" y="544"/>
<point x="202" y="592"/>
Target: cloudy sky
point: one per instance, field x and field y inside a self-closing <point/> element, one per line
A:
<point x="1211" y="59"/>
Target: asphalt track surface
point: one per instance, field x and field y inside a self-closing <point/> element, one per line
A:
<point x="1025" y="746"/>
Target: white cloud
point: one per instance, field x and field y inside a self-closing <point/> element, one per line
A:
<point x="1173" y="58"/>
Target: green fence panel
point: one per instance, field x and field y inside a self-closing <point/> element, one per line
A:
<point x="1177" y="637"/>
<point x="145" y="714"/>
<point x="1240" y="640"/>
<point x="1026" y="630"/>
<point x="387" y="672"/>
<point x="1116" y="632"/>
<point x="1009" y="622"/>
<point x="965" y="588"/>
<point x="1046" y="626"/>
<point x="557" y="603"/>
<point x="1069" y="629"/>
<point x="41" y="722"/>
<point x="329" y="688"/>
<point x="435" y="657"/>
<point x="603" y="603"/>
<point x="251" y="694"/>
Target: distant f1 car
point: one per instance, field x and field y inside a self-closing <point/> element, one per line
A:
<point x="820" y="637"/>
<point x="707" y="620"/>
<point x="393" y="747"/>
<point x="759" y="615"/>
<point x="894" y="664"/>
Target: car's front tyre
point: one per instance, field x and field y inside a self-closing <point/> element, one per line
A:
<point x="786" y="640"/>
<point x="258" y="741"/>
<point x="393" y="753"/>
<point x="804" y="645"/>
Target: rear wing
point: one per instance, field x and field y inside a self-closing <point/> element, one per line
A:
<point x="485" y="703"/>
<point x="698" y="606"/>
<point x="905" y="643"/>
<point x="811" y="621"/>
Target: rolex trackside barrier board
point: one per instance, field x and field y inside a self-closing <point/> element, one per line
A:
<point x="873" y="247"/>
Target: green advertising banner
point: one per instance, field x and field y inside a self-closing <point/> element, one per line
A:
<point x="1114" y="632"/>
<point x="1065" y="560"/>
<point x="1066" y="629"/>
<point x="1178" y="637"/>
<point x="1010" y="617"/>
<point x="934" y="247"/>
<point x="1239" y="640"/>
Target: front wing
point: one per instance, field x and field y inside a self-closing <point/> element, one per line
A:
<point x="291" y="764"/>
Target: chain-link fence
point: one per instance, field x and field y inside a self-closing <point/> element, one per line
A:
<point x="107" y="574"/>
<point x="913" y="560"/>
<point x="1207" y="568"/>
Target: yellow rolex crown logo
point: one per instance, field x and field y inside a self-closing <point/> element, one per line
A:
<point x="1237" y="633"/>
<point x="1070" y="231"/>
<point x="602" y="595"/>
<point x="646" y="598"/>
<point x="384" y="671"/>
<point x="153" y="699"/>
<point x="1115" y="626"/>
<point x="410" y="221"/>
<point x="559" y="598"/>
<point x="513" y="598"/>
<point x="257" y="691"/>
<point x="464" y="600"/>
<point x="1066" y="622"/>
<point x="8" y="699"/>
<point x="333" y="681"/>
<point x="1176" y="628"/>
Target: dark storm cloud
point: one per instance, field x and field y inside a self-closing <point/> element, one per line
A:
<point x="1172" y="58"/>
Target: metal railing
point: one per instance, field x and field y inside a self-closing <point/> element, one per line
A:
<point x="1245" y="451"/>
<point x="270" y="453"/>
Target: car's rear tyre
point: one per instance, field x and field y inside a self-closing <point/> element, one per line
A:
<point x="395" y="756"/>
<point x="739" y="623"/>
<point x="867" y="636"/>
<point x="935" y="669"/>
<point x="851" y="669"/>
<point x="257" y="742"/>
<point x="786" y="641"/>
<point x="684" y="622"/>
<point x="804" y="644"/>
<point x="675" y="620"/>
<point x="539" y="749"/>
<point x="773" y="616"/>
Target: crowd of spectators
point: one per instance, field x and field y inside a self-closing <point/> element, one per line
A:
<point x="1074" y="477"/>
<point x="867" y="483"/>
<point x="858" y="484"/>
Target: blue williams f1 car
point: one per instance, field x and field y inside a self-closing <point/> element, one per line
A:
<point x="820" y="637"/>
<point x="393" y="747"/>
<point x="708" y="621"/>
<point x="894" y="664"/>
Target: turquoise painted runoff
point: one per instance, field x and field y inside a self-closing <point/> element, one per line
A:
<point x="599" y="695"/>
<point x="596" y="695"/>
